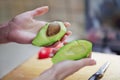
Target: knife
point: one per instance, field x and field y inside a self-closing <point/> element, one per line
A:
<point x="99" y="74"/>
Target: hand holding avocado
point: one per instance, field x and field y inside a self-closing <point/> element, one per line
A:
<point x="49" y="34"/>
<point x="23" y="29"/>
<point x="53" y="32"/>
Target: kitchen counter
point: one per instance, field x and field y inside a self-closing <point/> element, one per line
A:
<point x="33" y="67"/>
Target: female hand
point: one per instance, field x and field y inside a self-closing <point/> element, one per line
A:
<point x="64" y="69"/>
<point x="23" y="28"/>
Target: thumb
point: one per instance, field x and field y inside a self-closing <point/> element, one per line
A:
<point x="67" y="68"/>
<point x="85" y="62"/>
<point x="39" y="11"/>
<point x="76" y="65"/>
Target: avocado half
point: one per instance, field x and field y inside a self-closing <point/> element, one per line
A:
<point x="49" y="34"/>
<point x="74" y="50"/>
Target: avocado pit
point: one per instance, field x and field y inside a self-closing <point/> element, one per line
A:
<point x="53" y="29"/>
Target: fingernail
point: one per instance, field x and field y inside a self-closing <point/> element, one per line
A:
<point x="69" y="32"/>
<point x="51" y="55"/>
<point x="44" y="7"/>
<point x="92" y="62"/>
<point x="67" y="24"/>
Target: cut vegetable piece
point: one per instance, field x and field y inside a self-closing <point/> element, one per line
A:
<point x="49" y="34"/>
<point x="74" y="50"/>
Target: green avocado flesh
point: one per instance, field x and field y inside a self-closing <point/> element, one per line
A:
<point x="42" y="39"/>
<point x="74" y="50"/>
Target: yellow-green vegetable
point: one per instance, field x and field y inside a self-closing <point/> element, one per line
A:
<point x="49" y="34"/>
<point x="74" y="50"/>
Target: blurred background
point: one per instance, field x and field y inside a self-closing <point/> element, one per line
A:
<point x="103" y="25"/>
<point x="95" y="20"/>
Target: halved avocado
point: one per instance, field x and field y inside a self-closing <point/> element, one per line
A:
<point x="74" y="50"/>
<point x="49" y="34"/>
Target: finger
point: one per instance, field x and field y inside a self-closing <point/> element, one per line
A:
<point x="54" y="45"/>
<point x="53" y="52"/>
<point x="56" y="48"/>
<point x="69" y="33"/>
<point x="86" y="62"/>
<point x="75" y="65"/>
<point x="66" y="36"/>
<point x="67" y="24"/>
<point x="39" y="11"/>
<point x="65" y="43"/>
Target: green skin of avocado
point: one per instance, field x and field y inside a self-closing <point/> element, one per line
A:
<point x="74" y="50"/>
<point x="43" y="40"/>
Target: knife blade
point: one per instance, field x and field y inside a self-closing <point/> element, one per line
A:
<point x="99" y="74"/>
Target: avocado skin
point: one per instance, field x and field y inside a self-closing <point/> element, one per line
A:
<point x="43" y="40"/>
<point x="74" y="50"/>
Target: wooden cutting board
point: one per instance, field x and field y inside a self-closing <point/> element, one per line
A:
<point x="33" y="67"/>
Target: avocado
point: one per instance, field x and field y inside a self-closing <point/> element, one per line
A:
<point x="49" y="34"/>
<point x="74" y="50"/>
